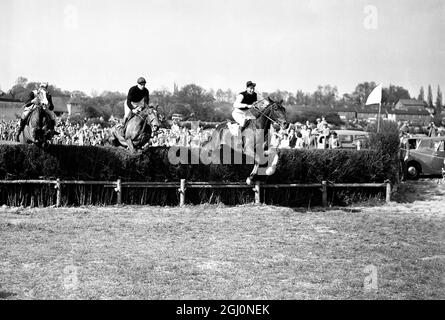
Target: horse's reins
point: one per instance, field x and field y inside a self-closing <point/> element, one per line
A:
<point x="263" y="114"/>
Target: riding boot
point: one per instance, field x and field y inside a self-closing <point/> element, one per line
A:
<point x="21" y="128"/>
<point x="244" y="126"/>
<point x="53" y="126"/>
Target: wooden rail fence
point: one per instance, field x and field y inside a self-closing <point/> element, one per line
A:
<point x="183" y="185"/>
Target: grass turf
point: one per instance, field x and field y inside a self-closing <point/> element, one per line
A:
<point x="218" y="252"/>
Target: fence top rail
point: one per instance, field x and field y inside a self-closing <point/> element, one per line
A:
<point x="87" y="182"/>
<point x="192" y="184"/>
<point x="364" y="185"/>
<point x="215" y="182"/>
<point x="148" y="183"/>
<point x="292" y="185"/>
<point x="28" y="181"/>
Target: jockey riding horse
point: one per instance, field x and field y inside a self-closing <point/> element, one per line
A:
<point x="254" y="135"/>
<point x="137" y="129"/>
<point x="38" y="117"/>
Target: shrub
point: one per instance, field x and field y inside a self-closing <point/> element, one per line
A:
<point x="110" y="164"/>
<point x="107" y="163"/>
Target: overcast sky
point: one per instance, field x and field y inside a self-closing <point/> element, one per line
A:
<point x="279" y="44"/>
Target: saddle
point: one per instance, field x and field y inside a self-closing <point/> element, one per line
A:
<point x="234" y="127"/>
<point x="123" y="127"/>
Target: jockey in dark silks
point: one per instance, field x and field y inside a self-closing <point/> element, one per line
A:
<point x="137" y="99"/>
<point x="243" y="103"/>
<point x="30" y="105"/>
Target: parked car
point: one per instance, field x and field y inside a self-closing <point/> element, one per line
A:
<point x="349" y="139"/>
<point x="411" y="141"/>
<point x="427" y="158"/>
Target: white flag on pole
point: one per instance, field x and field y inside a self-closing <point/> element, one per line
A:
<point x="375" y="97"/>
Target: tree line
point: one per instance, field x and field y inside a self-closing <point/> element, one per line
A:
<point x="210" y="105"/>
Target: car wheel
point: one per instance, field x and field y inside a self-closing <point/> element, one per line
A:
<point x="413" y="171"/>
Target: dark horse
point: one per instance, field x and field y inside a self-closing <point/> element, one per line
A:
<point x="39" y="128"/>
<point x="138" y="131"/>
<point x="255" y="136"/>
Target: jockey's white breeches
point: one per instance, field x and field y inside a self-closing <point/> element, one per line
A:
<point x="240" y="116"/>
<point x="127" y="110"/>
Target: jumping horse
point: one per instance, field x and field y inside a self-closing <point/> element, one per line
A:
<point x="39" y="128"/>
<point x="138" y="130"/>
<point x="255" y="135"/>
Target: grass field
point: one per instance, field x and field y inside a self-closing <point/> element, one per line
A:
<point x="218" y="252"/>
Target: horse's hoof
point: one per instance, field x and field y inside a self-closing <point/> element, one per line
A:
<point x="270" y="171"/>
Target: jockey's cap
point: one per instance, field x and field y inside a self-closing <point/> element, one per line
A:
<point x="141" y="80"/>
<point x="44" y="85"/>
<point x="250" y="84"/>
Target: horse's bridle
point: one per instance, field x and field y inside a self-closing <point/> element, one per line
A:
<point x="263" y="114"/>
<point x="143" y="119"/>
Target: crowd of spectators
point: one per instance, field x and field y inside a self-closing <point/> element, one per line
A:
<point x="298" y="136"/>
<point x="306" y="136"/>
<point x="8" y="129"/>
<point x="98" y="135"/>
<point x="407" y="129"/>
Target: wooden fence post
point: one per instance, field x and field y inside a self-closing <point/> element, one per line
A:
<point x="118" y="189"/>
<point x="182" y="193"/>
<point x="324" y="190"/>
<point x="58" y="192"/>
<point x="388" y="191"/>
<point x="256" y="189"/>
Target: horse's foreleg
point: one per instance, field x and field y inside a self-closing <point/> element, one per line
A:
<point x="252" y="175"/>
<point x="130" y="145"/>
<point x="273" y="165"/>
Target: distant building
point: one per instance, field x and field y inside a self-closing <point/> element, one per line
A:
<point x="10" y="109"/>
<point x="415" y="117"/>
<point x="370" y="113"/>
<point x="60" y="105"/>
<point x="346" y="113"/>
<point x="411" y="110"/>
<point x="74" y="106"/>
<point x="409" y="104"/>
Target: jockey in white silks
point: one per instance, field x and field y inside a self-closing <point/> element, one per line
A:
<point x="244" y="101"/>
<point x="41" y="96"/>
<point x="137" y="99"/>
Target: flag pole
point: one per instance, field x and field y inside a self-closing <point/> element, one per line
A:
<point x="378" y="119"/>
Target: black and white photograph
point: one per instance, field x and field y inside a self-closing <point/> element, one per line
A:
<point x="222" y="155"/>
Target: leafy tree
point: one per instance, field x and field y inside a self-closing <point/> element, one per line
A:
<point x="439" y="105"/>
<point x="165" y="100"/>
<point x="302" y="98"/>
<point x="421" y="96"/>
<point x="21" y="81"/>
<point x="325" y="96"/>
<point x="430" y="97"/>
<point x="18" y="92"/>
<point x="197" y="100"/>
<point x="78" y="94"/>
<point x="361" y="92"/>
<point x="393" y="93"/>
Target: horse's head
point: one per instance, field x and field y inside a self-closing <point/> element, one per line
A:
<point x="276" y="113"/>
<point x="41" y="97"/>
<point x="153" y="118"/>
